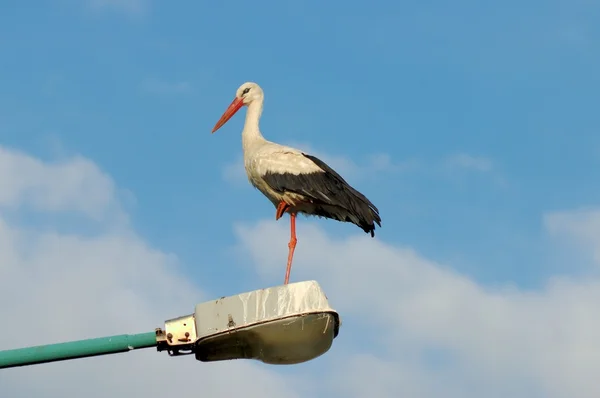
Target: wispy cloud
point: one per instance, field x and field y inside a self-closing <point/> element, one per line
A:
<point x="133" y="7"/>
<point x="355" y="170"/>
<point x="156" y="86"/>
<point x="470" y="162"/>
<point x="581" y="227"/>
<point x="350" y="169"/>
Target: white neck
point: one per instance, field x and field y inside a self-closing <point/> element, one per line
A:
<point x="251" y="134"/>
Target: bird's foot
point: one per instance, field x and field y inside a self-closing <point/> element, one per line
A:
<point x="281" y="208"/>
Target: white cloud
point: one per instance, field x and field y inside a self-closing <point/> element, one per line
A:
<point x="156" y="86"/>
<point x="493" y="342"/>
<point x="76" y="185"/>
<point x="58" y="287"/>
<point x="412" y="327"/>
<point x="466" y="161"/>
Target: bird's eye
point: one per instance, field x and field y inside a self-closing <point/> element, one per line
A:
<point x="246" y="90"/>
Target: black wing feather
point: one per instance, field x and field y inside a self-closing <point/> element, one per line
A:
<point x="328" y="188"/>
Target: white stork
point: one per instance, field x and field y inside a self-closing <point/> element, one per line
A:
<point x="294" y="181"/>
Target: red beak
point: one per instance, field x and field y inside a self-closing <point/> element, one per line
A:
<point x="235" y="106"/>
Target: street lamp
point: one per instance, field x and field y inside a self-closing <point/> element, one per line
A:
<point x="285" y="324"/>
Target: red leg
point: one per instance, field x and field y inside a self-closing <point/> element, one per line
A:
<point x="292" y="247"/>
<point x="281" y="209"/>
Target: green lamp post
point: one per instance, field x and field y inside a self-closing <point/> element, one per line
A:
<point x="284" y="324"/>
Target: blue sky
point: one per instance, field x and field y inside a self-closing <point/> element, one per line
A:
<point x="485" y="116"/>
<point x="138" y="90"/>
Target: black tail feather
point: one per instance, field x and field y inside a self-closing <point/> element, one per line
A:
<point x="359" y="209"/>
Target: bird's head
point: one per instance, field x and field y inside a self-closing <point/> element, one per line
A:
<point x="246" y="94"/>
<point x="249" y="92"/>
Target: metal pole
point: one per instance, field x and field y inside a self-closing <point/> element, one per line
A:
<point x="76" y="349"/>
